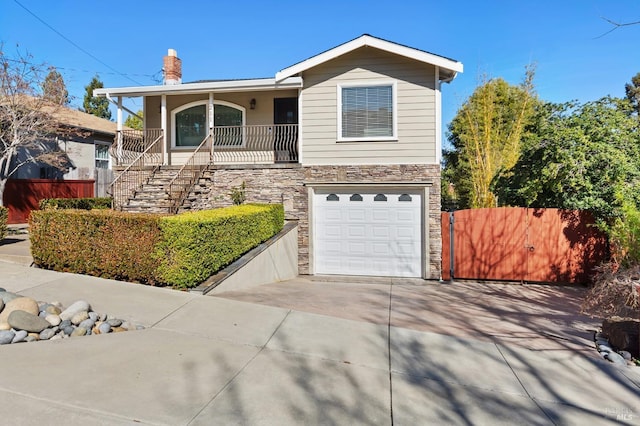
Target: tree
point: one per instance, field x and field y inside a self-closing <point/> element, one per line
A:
<point x="632" y="91"/>
<point x="584" y="157"/>
<point x="486" y="134"/>
<point x="94" y="105"/>
<point x="27" y="120"/>
<point x="134" y="122"/>
<point x="54" y="89"/>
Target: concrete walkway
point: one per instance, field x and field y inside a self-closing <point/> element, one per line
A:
<point x="327" y="353"/>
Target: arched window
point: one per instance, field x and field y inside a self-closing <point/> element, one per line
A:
<point x="190" y="124"/>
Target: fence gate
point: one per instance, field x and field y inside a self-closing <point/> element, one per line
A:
<point x="521" y="244"/>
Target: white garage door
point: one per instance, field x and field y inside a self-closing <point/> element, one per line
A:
<point x="368" y="233"/>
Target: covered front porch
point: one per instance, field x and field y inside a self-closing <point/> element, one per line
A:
<point x="187" y="127"/>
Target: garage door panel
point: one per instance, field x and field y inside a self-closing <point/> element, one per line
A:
<point x="379" y="235"/>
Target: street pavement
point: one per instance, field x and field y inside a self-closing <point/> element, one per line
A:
<point x="316" y="351"/>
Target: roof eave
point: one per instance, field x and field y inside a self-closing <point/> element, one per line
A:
<point x="205" y="87"/>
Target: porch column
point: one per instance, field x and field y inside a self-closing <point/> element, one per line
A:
<point x="163" y="126"/>
<point x="211" y="124"/>
<point x="438" y="113"/>
<point x="119" y="130"/>
<point x="299" y="129"/>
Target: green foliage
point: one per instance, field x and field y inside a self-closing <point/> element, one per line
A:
<point x="102" y="243"/>
<point x="181" y="250"/>
<point x="624" y="236"/>
<point x="195" y="245"/>
<point x="584" y="157"/>
<point x="632" y="92"/>
<point x="54" y="88"/>
<point x="486" y="134"/>
<point x="76" y="203"/>
<point x="4" y="215"/>
<point x="238" y="194"/>
<point x="93" y="105"/>
<point x="134" y="122"/>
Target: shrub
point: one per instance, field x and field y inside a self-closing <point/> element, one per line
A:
<point x="4" y="215"/>
<point x="238" y="194"/>
<point x="102" y="243"/>
<point x="76" y="203"/>
<point x="195" y="245"/>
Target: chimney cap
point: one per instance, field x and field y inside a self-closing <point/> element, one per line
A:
<point x="172" y="52"/>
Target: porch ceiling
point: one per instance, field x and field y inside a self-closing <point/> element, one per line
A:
<point x="203" y="87"/>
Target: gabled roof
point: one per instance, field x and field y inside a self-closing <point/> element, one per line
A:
<point x="449" y="66"/>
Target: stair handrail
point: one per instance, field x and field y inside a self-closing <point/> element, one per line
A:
<point x="138" y="182"/>
<point x="190" y="165"/>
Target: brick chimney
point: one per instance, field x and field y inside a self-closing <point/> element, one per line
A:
<point x="172" y="68"/>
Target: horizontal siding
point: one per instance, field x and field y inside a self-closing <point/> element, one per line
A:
<point x="416" y="111"/>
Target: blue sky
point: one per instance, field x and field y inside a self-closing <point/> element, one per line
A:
<point x="244" y="39"/>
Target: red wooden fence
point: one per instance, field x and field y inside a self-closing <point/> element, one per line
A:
<point x="23" y="195"/>
<point x="520" y="244"/>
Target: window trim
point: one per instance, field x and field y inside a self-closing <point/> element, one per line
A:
<point x="394" y="105"/>
<point x="204" y="102"/>
<point x="95" y="157"/>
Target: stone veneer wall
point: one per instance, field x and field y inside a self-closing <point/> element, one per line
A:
<point x="289" y="185"/>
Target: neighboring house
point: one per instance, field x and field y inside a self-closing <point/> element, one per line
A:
<point x="85" y="141"/>
<point x="348" y="140"/>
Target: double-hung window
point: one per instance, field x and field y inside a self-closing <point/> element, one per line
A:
<point x="367" y="112"/>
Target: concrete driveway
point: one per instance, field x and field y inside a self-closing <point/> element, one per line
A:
<point x="316" y="352"/>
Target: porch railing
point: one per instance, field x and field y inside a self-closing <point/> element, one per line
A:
<point x="143" y="158"/>
<point x="270" y="143"/>
<point x="131" y="143"/>
<point x="181" y="184"/>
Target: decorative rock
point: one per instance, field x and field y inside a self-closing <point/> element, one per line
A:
<point x="616" y="358"/>
<point x="53" y="319"/>
<point x="48" y="333"/>
<point x="21" y="320"/>
<point x="7" y="296"/>
<point x="34" y="335"/>
<point x="626" y="355"/>
<point x="57" y="337"/>
<point x="6" y="336"/>
<point x="79" y="317"/>
<point x="605" y="348"/>
<point x="93" y="316"/>
<point x="114" y="322"/>
<point x="74" y="308"/>
<point x="104" y="328"/>
<point x="31" y="338"/>
<point x="58" y="305"/>
<point x="1" y="305"/>
<point x="5" y="326"/>
<point x="117" y="329"/>
<point x="25" y="304"/>
<point x="65" y="323"/>
<point x="80" y="331"/>
<point x="602" y="342"/>
<point x="42" y="314"/>
<point x="52" y="309"/>
<point x="2" y="290"/>
<point x="20" y="336"/>
<point x="68" y="330"/>
<point x="87" y="324"/>
<point x="103" y="317"/>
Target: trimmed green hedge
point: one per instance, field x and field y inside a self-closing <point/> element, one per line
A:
<point x="4" y="215"/>
<point x="76" y="203"/>
<point x="196" y="245"/>
<point x="103" y="243"/>
<point x="181" y="251"/>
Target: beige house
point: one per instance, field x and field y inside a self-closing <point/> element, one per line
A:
<point x="348" y="140"/>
